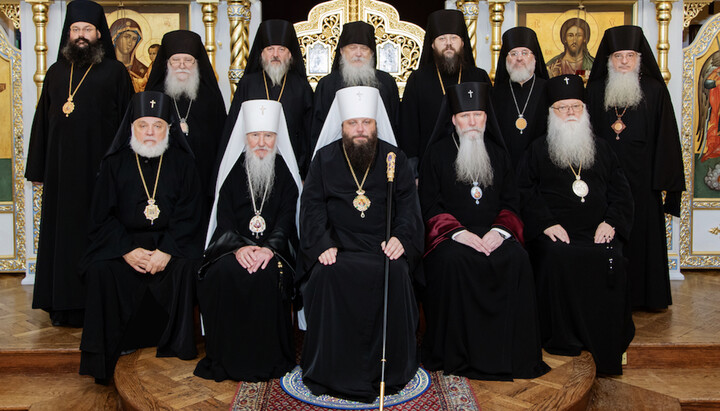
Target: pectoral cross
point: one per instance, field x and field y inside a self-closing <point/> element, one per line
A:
<point x="262" y="110"/>
<point x="567" y="81"/>
<point x="359" y="94"/>
<point x="152" y="103"/>
<point x="470" y="93"/>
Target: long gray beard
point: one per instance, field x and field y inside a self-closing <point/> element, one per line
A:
<point x="358" y="76"/>
<point x="473" y="162"/>
<point x="276" y="72"/>
<point x="623" y="89"/>
<point x="176" y="88"/>
<point x="571" y="142"/>
<point x="260" y="174"/>
<point x="146" y="151"/>
<point x="521" y="74"/>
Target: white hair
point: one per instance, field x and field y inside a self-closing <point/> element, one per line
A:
<point x="260" y="173"/>
<point x="176" y="88"/>
<point x="363" y="75"/>
<point x="623" y="89"/>
<point x="522" y="72"/>
<point x="472" y="163"/>
<point x="570" y="142"/>
<point x="148" y="151"/>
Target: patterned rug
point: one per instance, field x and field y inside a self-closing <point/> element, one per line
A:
<point x="445" y="393"/>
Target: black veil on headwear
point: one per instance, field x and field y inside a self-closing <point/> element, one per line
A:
<point x="275" y="33"/>
<point x="520" y="37"/>
<point x="139" y="107"/>
<point x="188" y="42"/>
<point x="446" y="22"/>
<point x="624" y="38"/>
<point x="355" y="32"/>
<point x="89" y="12"/>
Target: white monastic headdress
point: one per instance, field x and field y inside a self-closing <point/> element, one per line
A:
<point x="355" y="102"/>
<point x="255" y="115"/>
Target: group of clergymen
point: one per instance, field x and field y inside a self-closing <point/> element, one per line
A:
<point x="524" y="216"/>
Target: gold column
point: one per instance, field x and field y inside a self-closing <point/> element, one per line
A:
<point x="353" y="10"/>
<point x="497" y="16"/>
<point x="209" y="10"/>
<point x="470" y="10"/>
<point x="663" y="14"/>
<point x="239" y="16"/>
<point x="40" y="18"/>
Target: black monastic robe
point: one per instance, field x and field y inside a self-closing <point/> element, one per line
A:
<point x="247" y="317"/>
<point x="506" y="112"/>
<point x="344" y="301"/>
<point x="421" y="104"/>
<point x="480" y="310"/>
<point x="330" y="84"/>
<point x="650" y="153"/>
<point x="581" y="286"/>
<point x="297" y="102"/>
<point x="127" y="309"/>
<point x="64" y="154"/>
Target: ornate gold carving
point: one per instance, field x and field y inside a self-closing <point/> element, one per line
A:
<point x="691" y="8"/>
<point x="325" y="23"/>
<point x="37" y="192"/>
<point x="239" y="16"/>
<point x="497" y="16"/>
<point x="714" y="231"/>
<point x="16" y="262"/>
<point x="353" y="10"/>
<point x="209" y="9"/>
<point x="40" y="18"/>
<point x="672" y="264"/>
<point x="12" y="11"/>
<point x="663" y="14"/>
<point x="470" y="10"/>
<point x="668" y="231"/>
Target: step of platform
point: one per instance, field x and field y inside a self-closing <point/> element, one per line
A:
<point x="694" y="388"/>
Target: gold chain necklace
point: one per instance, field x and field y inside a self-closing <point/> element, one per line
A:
<point x="579" y="187"/>
<point x="360" y="202"/>
<point x="267" y="92"/>
<point x="440" y="78"/>
<point x="69" y="105"/>
<point x="257" y="222"/>
<point x="152" y="211"/>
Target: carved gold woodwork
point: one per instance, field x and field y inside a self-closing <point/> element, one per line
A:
<point x="470" y="10"/>
<point x="691" y="8"/>
<point x="497" y="16"/>
<point x="663" y="14"/>
<point x="325" y="21"/>
<point x="40" y="18"/>
<point x="12" y="11"/>
<point x="209" y="10"/>
<point x="239" y="16"/>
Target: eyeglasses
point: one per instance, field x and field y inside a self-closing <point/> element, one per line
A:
<point x="523" y="53"/>
<point x="177" y="61"/>
<point x="84" y="30"/>
<point x="565" y="109"/>
<point x="631" y="55"/>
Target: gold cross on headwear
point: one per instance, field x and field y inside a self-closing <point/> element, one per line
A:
<point x="470" y="93"/>
<point x="359" y="94"/>
<point x="262" y="110"/>
<point x="152" y="103"/>
<point x="567" y="81"/>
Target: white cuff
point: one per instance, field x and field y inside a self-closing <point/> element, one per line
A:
<point x="457" y="234"/>
<point x="505" y="235"/>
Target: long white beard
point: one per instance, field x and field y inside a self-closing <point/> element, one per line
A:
<point x="521" y="73"/>
<point x="358" y="76"/>
<point x="176" y="88"/>
<point x="473" y="162"/>
<point x="260" y="174"/>
<point x="571" y="142"/>
<point x="149" y="151"/>
<point x="276" y="72"/>
<point x="623" y="89"/>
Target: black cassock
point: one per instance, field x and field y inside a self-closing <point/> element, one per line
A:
<point x="64" y="154"/>
<point x="330" y="84"/>
<point x="506" y="111"/>
<point x="247" y="317"/>
<point x="650" y="154"/>
<point x="297" y="102"/>
<point x="344" y="301"/>
<point x="581" y="286"/>
<point x="126" y="309"/>
<point x="421" y="105"/>
<point x="480" y="310"/>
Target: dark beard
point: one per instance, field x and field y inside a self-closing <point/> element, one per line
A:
<point x="93" y="53"/>
<point x="448" y="65"/>
<point x="361" y="156"/>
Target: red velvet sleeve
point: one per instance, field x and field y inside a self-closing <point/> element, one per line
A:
<point x="437" y="228"/>
<point x="510" y="222"/>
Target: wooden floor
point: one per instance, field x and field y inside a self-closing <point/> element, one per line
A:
<point x="673" y="362"/>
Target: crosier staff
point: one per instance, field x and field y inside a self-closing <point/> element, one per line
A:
<point x="390" y="160"/>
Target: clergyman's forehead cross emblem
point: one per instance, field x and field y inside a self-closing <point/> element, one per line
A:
<point x="152" y="103"/>
<point x="567" y="81"/>
<point x="262" y="110"/>
<point x="470" y="93"/>
<point x="359" y="94"/>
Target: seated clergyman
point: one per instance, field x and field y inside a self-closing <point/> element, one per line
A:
<point x="245" y="292"/>
<point x="480" y="296"/>
<point x="581" y="214"/>
<point x="342" y="226"/>
<point x="145" y="237"/>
